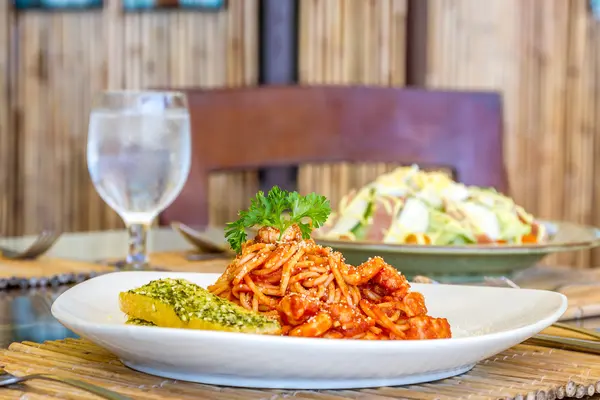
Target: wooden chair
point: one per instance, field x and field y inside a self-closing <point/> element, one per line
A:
<point x="248" y="128"/>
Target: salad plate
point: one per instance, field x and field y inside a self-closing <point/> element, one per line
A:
<point x="424" y="222"/>
<point x="447" y="263"/>
<point x="499" y="319"/>
<point x="462" y="262"/>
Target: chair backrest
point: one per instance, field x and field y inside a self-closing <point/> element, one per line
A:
<point x="248" y="128"/>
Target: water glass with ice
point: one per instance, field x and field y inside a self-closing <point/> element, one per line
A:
<point x="138" y="155"/>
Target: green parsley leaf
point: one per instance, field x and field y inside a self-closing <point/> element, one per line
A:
<point x="279" y="209"/>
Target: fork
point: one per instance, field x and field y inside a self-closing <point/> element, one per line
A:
<point x="7" y="379"/>
<point x="41" y="245"/>
<point x="197" y="240"/>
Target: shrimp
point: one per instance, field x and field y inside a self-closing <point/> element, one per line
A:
<point x="424" y="327"/>
<point x="348" y="320"/>
<point x="363" y="273"/>
<point x="332" y="334"/>
<point x="414" y="304"/>
<point x="314" y="327"/>
<point x="392" y="281"/>
<point x="296" y="309"/>
<point x="268" y="234"/>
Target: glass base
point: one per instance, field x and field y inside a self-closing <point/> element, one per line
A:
<point x="129" y="267"/>
<point x="122" y="265"/>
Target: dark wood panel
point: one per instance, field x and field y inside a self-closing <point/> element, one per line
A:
<point x="282" y="126"/>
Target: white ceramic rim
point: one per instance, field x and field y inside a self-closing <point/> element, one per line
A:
<point x="59" y="312"/>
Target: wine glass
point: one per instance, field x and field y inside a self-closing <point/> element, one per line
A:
<point x="138" y="155"/>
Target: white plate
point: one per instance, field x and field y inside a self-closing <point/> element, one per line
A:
<point x="484" y="320"/>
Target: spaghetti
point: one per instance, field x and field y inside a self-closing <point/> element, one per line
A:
<point x="314" y="293"/>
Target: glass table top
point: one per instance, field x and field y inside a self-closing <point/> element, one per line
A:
<point x="25" y="313"/>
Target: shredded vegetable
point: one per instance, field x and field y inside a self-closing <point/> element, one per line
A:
<point x="412" y="206"/>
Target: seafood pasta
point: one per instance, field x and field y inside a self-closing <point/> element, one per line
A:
<point x="310" y="289"/>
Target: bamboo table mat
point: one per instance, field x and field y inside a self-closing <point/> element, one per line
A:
<point x="57" y="271"/>
<point x="47" y="271"/>
<point x="523" y="372"/>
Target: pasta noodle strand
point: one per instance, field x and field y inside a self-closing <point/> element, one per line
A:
<point x="314" y="293"/>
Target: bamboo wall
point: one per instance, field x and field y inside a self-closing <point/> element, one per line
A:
<point x="351" y="43"/>
<point x="7" y="197"/>
<point x="61" y="59"/>
<point x="541" y="54"/>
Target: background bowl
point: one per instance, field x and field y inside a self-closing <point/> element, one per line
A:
<point x="469" y="262"/>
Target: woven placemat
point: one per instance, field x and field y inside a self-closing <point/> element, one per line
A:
<point x="47" y="271"/>
<point x="524" y="371"/>
<point x="56" y="271"/>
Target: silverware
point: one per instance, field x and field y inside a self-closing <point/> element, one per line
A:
<point x="583" y="331"/>
<point x="566" y="343"/>
<point x="198" y="240"/>
<point x="7" y="379"/>
<point x="41" y="245"/>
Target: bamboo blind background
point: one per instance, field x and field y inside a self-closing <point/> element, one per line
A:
<point x="350" y="43"/>
<point x="541" y="54"/>
<point x="62" y="59"/>
<point x="7" y="169"/>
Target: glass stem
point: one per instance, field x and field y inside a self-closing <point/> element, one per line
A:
<point x="137" y="259"/>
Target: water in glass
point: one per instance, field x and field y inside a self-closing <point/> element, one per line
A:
<point x="139" y="154"/>
<point x="139" y="162"/>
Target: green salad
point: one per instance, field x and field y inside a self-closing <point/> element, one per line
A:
<point x="412" y="206"/>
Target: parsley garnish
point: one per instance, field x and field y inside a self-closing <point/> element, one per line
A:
<point x="279" y="209"/>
